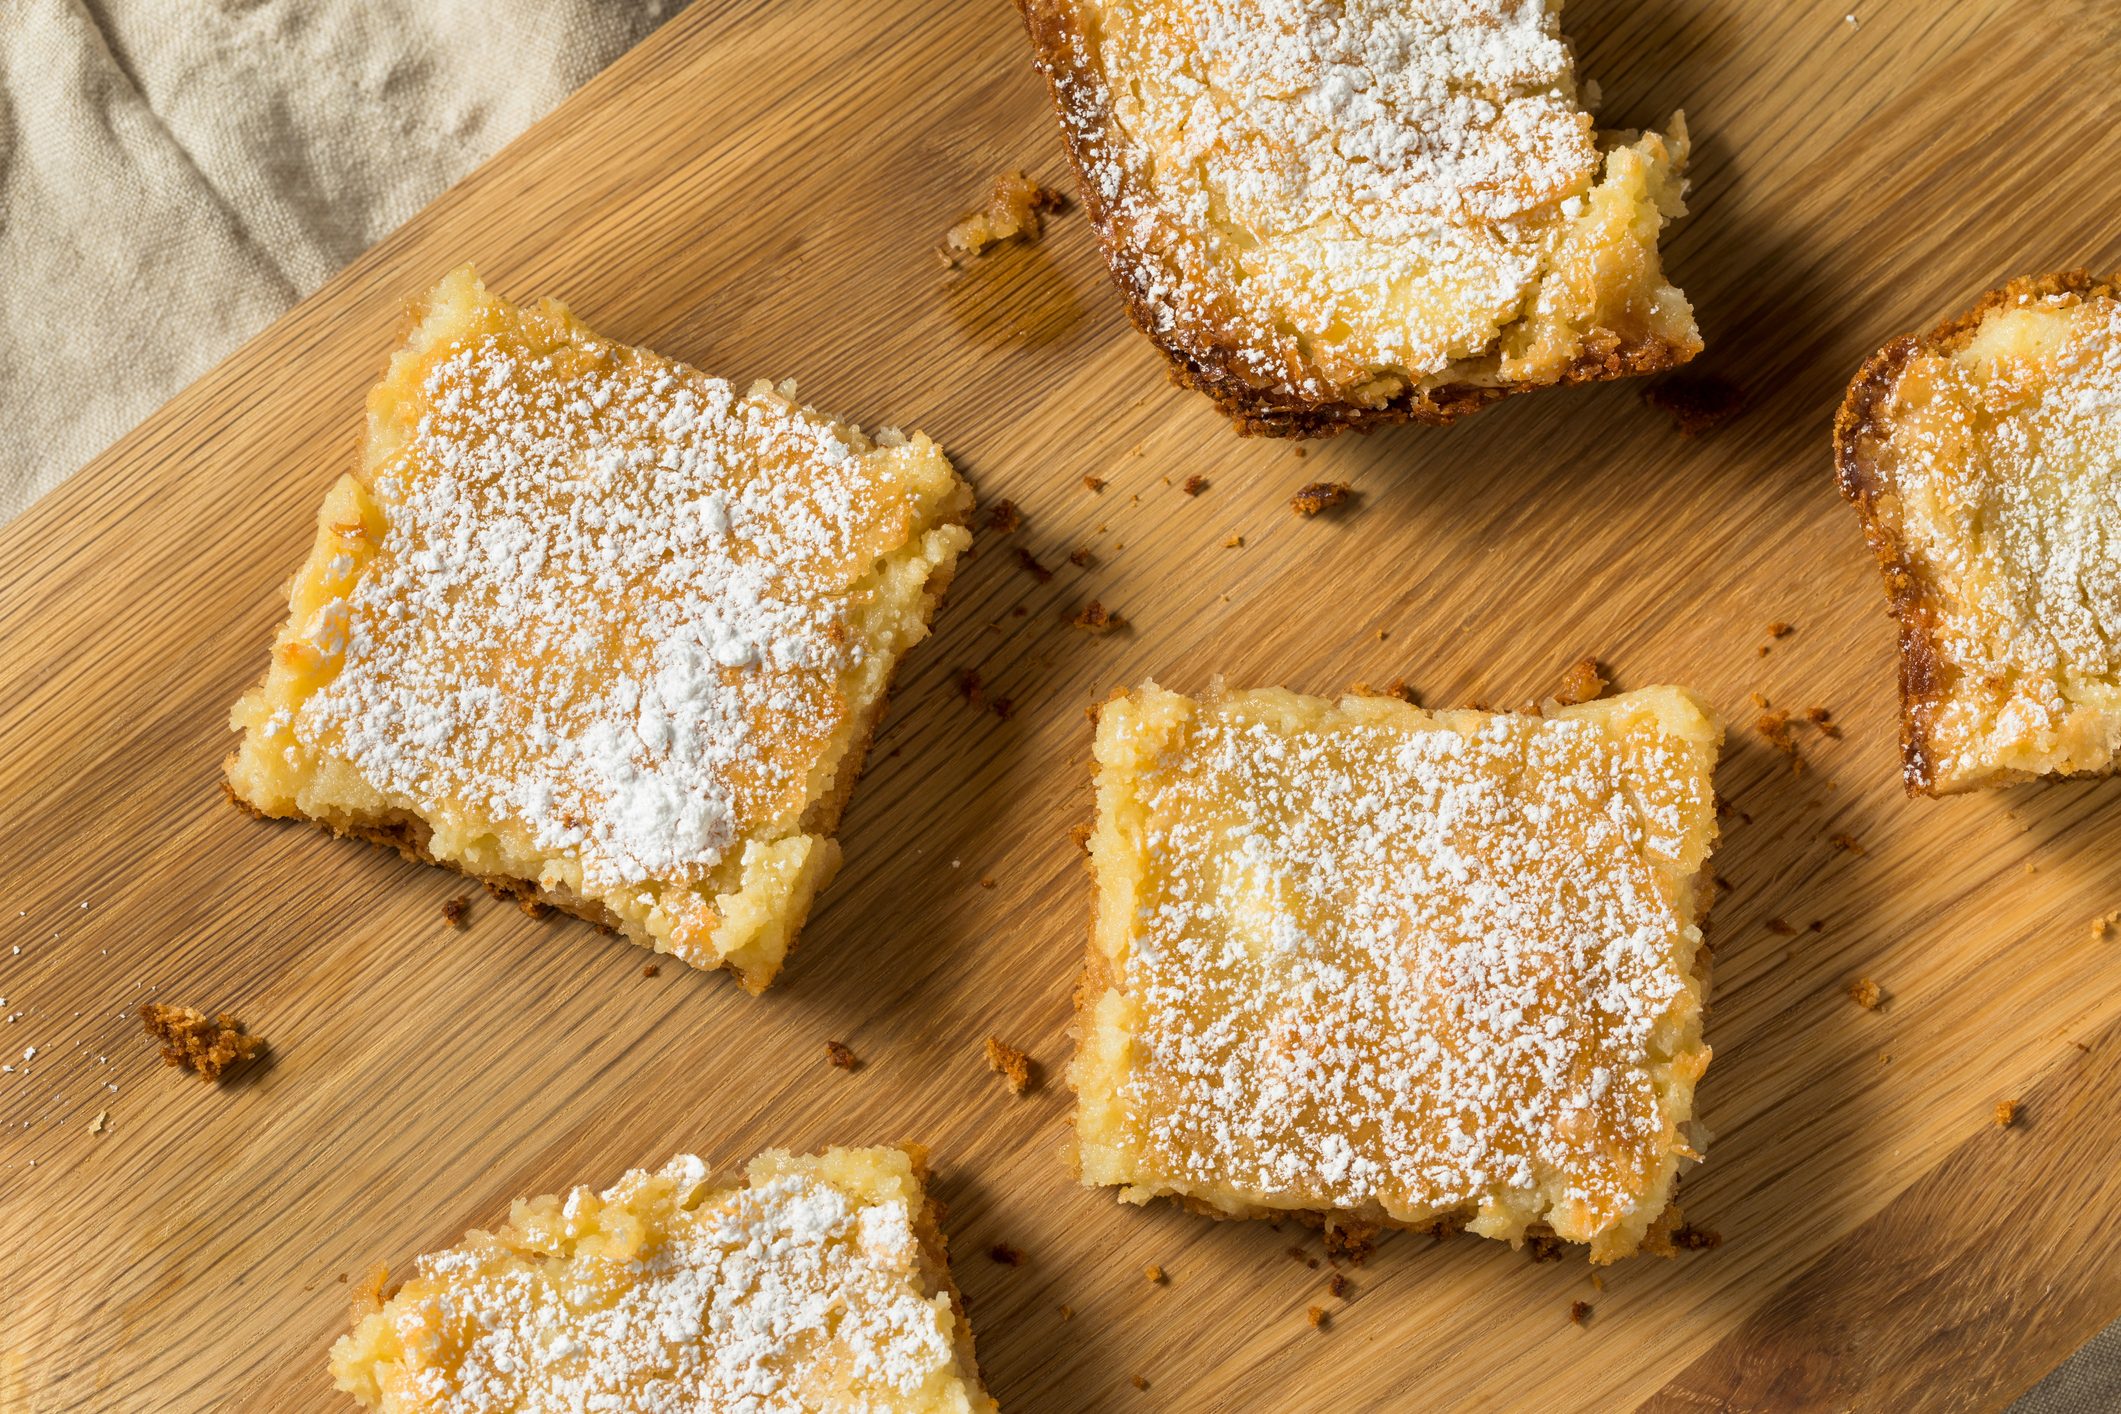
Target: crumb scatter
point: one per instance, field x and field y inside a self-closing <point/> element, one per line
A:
<point x="1014" y="210"/>
<point x="1319" y="497"/>
<point x="1011" y="1064"/>
<point x="209" y="1048"/>
<point x="1094" y="617"/>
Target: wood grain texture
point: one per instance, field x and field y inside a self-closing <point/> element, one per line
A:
<point x="758" y="190"/>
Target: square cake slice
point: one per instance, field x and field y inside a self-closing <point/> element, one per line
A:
<point x="1339" y="213"/>
<point x="1985" y="459"/>
<point x="819" y="1283"/>
<point x="600" y="630"/>
<point x="1373" y="966"/>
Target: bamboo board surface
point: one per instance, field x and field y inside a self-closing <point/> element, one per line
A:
<point x="758" y="190"/>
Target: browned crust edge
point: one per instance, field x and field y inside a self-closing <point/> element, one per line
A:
<point x="1257" y="411"/>
<point x="1862" y="428"/>
<point x="408" y="834"/>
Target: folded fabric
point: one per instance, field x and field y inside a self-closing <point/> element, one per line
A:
<point x="175" y="173"/>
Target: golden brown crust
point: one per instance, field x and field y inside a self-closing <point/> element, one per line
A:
<point x="1216" y="367"/>
<point x="1862" y="427"/>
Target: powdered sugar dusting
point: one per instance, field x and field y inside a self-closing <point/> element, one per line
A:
<point x="1333" y="185"/>
<point x="2007" y="463"/>
<point x="609" y="610"/>
<point x="793" y="1295"/>
<point x="1380" y="964"/>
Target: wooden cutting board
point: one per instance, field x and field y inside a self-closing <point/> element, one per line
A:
<point x="759" y="190"/>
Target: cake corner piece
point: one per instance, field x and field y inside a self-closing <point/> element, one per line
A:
<point x="617" y="1295"/>
<point x="1984" y="460"/>
<point x="1303" y="902"/>
<point x="1515" y="252"/>
<point x="600" y="630"/>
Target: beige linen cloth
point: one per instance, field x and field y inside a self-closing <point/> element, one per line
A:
<point x="175" y="173"/>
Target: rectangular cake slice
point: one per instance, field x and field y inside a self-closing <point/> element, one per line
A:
<point x="601" y="630"/>
<point x="1376" y="966"/>
<point x="1338" y="213"/>
<point x="1985" y="459"/>
<point x="819" y="1283"/>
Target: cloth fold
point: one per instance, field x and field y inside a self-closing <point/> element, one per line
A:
<point x="176" y="173"/>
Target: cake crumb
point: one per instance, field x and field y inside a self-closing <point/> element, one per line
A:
<point x="1011" y="1064"/>
<point x="1013" y="211"/>
<point x="1775" y="728"/>
<point x="1137" y="1381"/>
<point x="1821" y="718"/>
<point x="842" y="1057"/>
<point x="456" y="910"/>
<point x="1695" y="1239"/>
<point x="1094" y="617"/>
<point x="1543" y="1246"/>
<point x="1004" y="517"/>
<point x="1081" y="835"/>
<point x="1780" y="928"/>
<point x="2006" y="1113"/>
<point x="986" y="881"/>
<point x="1866" y="994"/>
<point x="1316" y="1315"/>
<point x="1094" y="484"/>
<point x="1195" y="485"/>
<point x="96" y="1125"/>
<point x="1153" y="1274"/>
<point x="1067" y="1313"/>
<point x="1355" y="1242"/>
<point x="1337" y="1285"/>
<point x="1080" y="557"/>
<point x="969" y="684"/>
<point x="1579" y="1312"/>
<point x="651" y="970"/>
<point x="1583" y="682"/>
<point x="1697" y="403"/>
<point x="1002" y="707"/>
<point x="1779" y="629"/>
<point x="1848" y="842"/>
<point x="209" y="1049"/>
<point x="2103" y="927"/>
<point x="1006" y="1255"/>
<point x="1031" y="566"/>
<point x="1235" y="542"/>
<point x="1320" y="496"/>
